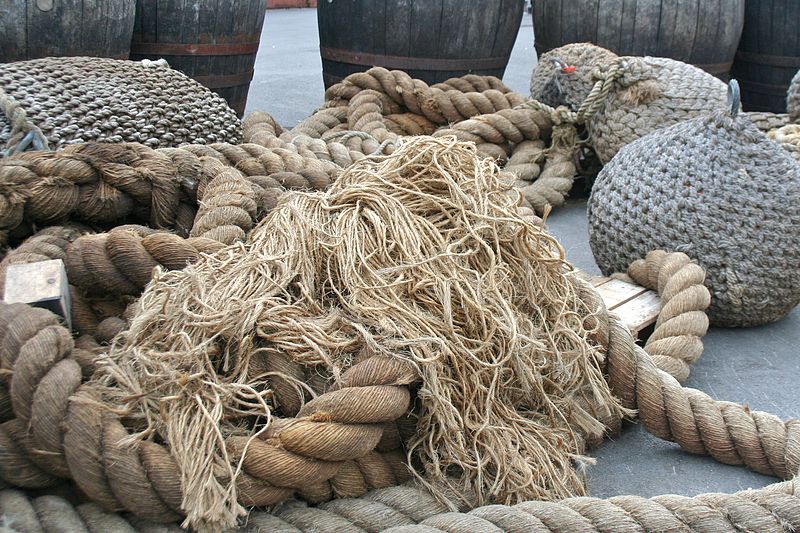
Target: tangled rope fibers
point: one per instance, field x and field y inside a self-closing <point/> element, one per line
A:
<point x="421" y="256"/>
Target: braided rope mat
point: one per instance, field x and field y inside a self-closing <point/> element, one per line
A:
<point x="83" y="99"/>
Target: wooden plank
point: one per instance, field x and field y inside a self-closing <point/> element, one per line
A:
<point x="40" y="284"/>
<point x="627" y="27"/>
<point x="398" y="20"/>
<point x="570" y="15"/>
<point x="14" y="39"/>
<point x="648" y="18"/>
<point x="609" y="23"/>
<point x="616" y="292"/>
<point x="639" y="312"/>
<point x="587" y="23"/>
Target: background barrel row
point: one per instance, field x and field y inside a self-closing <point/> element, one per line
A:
<point x="757" y="41"/>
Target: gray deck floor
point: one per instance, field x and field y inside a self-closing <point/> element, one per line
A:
<point x="757" y="366"/>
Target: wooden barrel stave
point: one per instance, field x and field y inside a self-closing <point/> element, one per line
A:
<point x="768" y="55"/>
<point x="423" y="37"/>
<point x="704" y="33"/>
<point x="216" y="49"/>
<point x="57" y="28"/>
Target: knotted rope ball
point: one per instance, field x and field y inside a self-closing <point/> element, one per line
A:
<point x="623" y="98"/>
<point x="564" y="75"/>
<point x="718" y="189"/>
<point x="82" y="99"/>
<point x="793" y="98"/>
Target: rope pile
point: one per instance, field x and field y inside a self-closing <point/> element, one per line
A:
<point x="81" y="99"/>
<point x="332" y="387"/>
<point x="105" y="184"/>
<point x="367" y="114"/>
<point x="412" y="321"/>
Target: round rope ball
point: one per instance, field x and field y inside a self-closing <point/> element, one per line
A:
<point x="718" y="189"/>
<point x="645" y="94"/>
<point x="84" y="99"/>
<point x="793" y="98"/>
<point x="563" y="76"/>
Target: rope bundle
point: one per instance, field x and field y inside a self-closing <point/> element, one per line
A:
<point x="104" y="184"/>
<point x="367" y="114"/>
<point x="82" y="99"/>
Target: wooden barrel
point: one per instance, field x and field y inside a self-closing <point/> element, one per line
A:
<point x="704" y="33"/>
<point x="430" y="39"/>
<point x="769" y="54"/>
<point x="210" y="41"/>
<point x="30" y="29"/>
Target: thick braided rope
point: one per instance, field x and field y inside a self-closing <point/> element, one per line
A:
<point x="98" y="183"/>
<point x="496" y="132"/>
<point x="227" y="208"/>
<point x="676" y="340"/>
<point x="525" y="158"/>
<point x="559" y="169"/>
<point x="766" y="121"/>
<point x="788" y="137"/>
<point x="104" y="183"/>
<point x="121" y="262"/>
<point x="472" y="83"/>
<point x="403" y="93"/>
<point x="407" y="509"/>
<point x="324" y="135"/>
<point x="62" y="431"/>
<point x="769" y="509"/>
<point x="553" y="184"/>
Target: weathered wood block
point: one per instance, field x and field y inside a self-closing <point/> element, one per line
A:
<point x="41" y="284"/>
<point x="637" y="306"/>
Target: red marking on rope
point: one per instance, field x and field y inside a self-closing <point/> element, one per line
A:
<point x="569" y="69"/>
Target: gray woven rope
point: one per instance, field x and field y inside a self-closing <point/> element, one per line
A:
<point x="82" y="99"/>
<point x="716" y="188"/>
<point x="793" y="98"/>
<point x="623" y="98"/>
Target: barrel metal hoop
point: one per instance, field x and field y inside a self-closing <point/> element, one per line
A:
<point x="769" y="60"/>
<point x="194" y="49"/>
<point x="225" y="80"/>
<point x="715" y="68"/>
<point x="411" y="63"/>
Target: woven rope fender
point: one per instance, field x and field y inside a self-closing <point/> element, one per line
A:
<point x="645" y="94"/>
<point x="793" y="98"/>
<point x="564" y="75"/>
<point x="80" y="99"/>
<point x="716" y="188"/>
